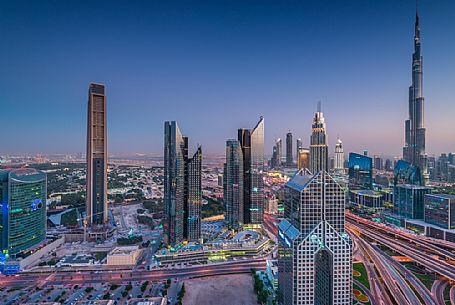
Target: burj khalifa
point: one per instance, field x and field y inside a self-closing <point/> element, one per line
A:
<point x="414" y="149"/>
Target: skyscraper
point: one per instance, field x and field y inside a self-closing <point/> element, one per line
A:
<point x="339" y="156"/>
<point x="182" y="187"/>
<point x="303" y="158"/>
<point x="276" y="154"/>
<point x="252" y="143"/>
<point x="23" y="194"/>
<point x="233" y="184"/>
<point x="414" y="148"/>
<point x="298" y="143"/>
<point x="314" y="251"/>
<point x="96" y="202"/>
<point x="360" y="172"/>
<point x="289" y="159"/>
<point x="193" y="196"/>
<point x="319" y="156"/>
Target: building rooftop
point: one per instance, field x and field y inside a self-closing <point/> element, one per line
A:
<point x="124" y="250"/>
<point x="300" y="181"/>
<point x="148" y="301"/>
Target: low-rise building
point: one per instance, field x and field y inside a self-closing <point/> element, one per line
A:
<point x="123" y="256"/>
<point x="148" y="301"/>
<point x="440" y="210"/>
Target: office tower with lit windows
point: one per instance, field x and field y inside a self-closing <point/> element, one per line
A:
<point x="303" y="158"/>
<point x="339" y="157"/>
<point x="233" y="184"/>
<point x="252" y="143"/>
<point x="319" y="153"/>
<point x="96" y="201"/>
<point x="314" y="250"/>
<point x="360" y="170"/>
<point x="182" y="187"/>
<point x="414" y="148"/>
<point x="289" y="158"/>
<point x="276" y="154"/>
<point x="410" y="200"/>
<point x="193" y="196"/>
<point x="23" y="194"/>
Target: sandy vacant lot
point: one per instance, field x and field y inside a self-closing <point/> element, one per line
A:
<point x="234" y="289"/>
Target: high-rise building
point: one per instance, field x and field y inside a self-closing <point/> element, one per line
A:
<point x="414" y="148"/>
<point x="439" y="210"/>
<point x="289" y="158"/>
<point x="314" y="250"/>
<point x="409" y="200"/>
<point x="360" y="170"/>
<point x="252" y="143"/>
<point x="297" y="149"/>
<point x="277" y="154"/>
<point x="319" y="151"/>
<point x="233" y="184"/>
<point x="378" y="163"/>
<point x="339" y="156"/>
<point x="388" y="165"/>
<point x="182" y="187"/>
<point x="303" y="158"/>
<point x="96" y="201"/>
<point x="23" y="194"/>
<point x="193" y="196"/>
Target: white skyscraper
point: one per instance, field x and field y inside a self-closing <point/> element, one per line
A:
<point x="339" y="156"/>
<point x="315" y="252"/>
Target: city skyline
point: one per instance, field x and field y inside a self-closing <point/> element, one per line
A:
<point x="133" y="117"/>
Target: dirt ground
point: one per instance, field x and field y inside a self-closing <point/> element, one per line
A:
<point x="236" y="289"/>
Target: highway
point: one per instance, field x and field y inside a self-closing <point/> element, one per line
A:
<point x="118" y="276"/>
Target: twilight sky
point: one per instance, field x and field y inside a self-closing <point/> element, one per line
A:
<point x="215" y="66"/>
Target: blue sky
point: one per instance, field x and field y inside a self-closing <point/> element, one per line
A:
<point x="215" y="66"/>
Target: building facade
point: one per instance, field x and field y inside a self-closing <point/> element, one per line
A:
<point x="23" y="194"/>
<point x="360" y="169"/>
<point x="414" y="148"/>
<point x="319" y="151"/>
<point x="339" y="157"/>
<point x="289" y="158"/>
<point x="233" y="184"/>
<point x="439" y="210"/>
<point x="298" y="145"/>
<point x="303" y="158"/>
<point x="409" y="200"/>
<point x="182" y="187"/>
<point x="314" y="251"/>
<point x="96" y="200"/>
<point x="252" y="143"/>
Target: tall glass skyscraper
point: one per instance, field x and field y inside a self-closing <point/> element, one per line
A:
<point x="289" y="158"/>
<point x="252" y="143"/>
<point x="277" y="153"/>
<point x="23" y="194"/>
<point x="299" y="145"/>
<point x="314" y="251"/>
<point x="96" y="202"/>
<point x="182" y="187"/>
<point x="319" y="154"/>
<point x="233" y="184"/>
<point x="360" y="172"/>
<point x="414" y="148"/>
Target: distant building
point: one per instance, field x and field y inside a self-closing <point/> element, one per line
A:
<point x="252" y="143"/>
<point x="319" y="154"/>
<point x="277" y="154"/>
<point x="148" y="301"/>
<point x="339" y="157"/>
<point x="123" y="256"/>
<point x="360" y="171"/>
<point x="182" y="187"/>
<point x="23" y="194"/>
<point x="303" y="158"/>
<point x="378" y="163"/>
<point x="439" y="210"/>
<point x="409" y="200"/>
<point x="233" y="184"/>
<point x="289" y="158"/>
<point x="367" y="199"/>
<point x="96" y="200"/>
<point x="388" y="165"/>
<point x="314" y="250"/>
<point x="297" y="147"/>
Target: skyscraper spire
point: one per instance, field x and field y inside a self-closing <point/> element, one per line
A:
<point x="414" y="149"/>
